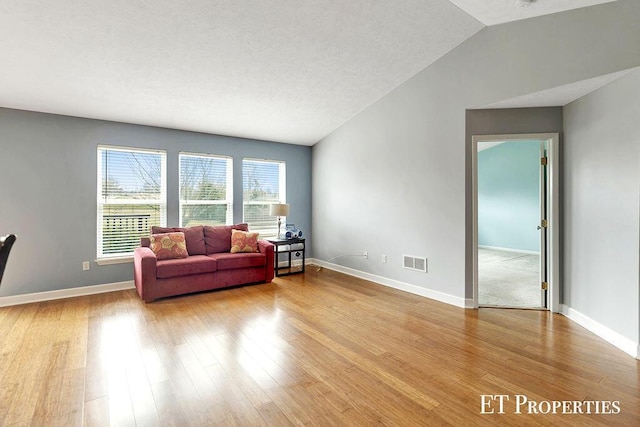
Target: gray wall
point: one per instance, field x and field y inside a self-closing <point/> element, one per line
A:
<point x="396" y="178"/>
<point x="601" y="205"/>
<point x="48" y="191"/>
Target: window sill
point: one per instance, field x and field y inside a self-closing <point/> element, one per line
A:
<point x="115" y="260"/>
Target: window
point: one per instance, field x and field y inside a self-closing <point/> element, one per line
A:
<point x="132" y="197"/>
<point x="263" y="183"/>
<point x="206" y="190"/>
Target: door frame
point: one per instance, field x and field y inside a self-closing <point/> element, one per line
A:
<point x="553" y="229"/>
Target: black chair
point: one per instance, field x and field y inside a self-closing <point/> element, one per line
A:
<point x="5" y="247"/>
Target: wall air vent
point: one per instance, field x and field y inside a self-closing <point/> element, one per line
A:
<point x="414" y="263"/>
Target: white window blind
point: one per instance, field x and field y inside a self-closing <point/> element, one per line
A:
<point x="263" y="183"/>
<point x="206" y="190"/>
<point x="132" y="197"/>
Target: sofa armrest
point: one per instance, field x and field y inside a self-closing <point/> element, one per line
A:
<point x="144" y="272"/>
<point x="267" y="248"/>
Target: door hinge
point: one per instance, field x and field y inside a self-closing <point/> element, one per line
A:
<point x="545" y="286"/>
<point x="543" y="161"/>
<point x="544" y="223"/>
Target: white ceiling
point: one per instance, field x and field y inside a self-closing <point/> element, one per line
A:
<point x="492" y="12"/>
<point x="558" y="96"/>
<point x="279" y="70"/>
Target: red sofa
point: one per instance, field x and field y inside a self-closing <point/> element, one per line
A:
<point x="210" y="265"/>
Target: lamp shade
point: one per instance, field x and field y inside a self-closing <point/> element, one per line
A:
<point x="279" y="209"/>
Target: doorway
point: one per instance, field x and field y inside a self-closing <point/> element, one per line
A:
<point x="515" y="226"/>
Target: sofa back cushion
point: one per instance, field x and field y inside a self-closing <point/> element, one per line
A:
<point x="217" y="238"/>
<point x="194" y="237"/>
<point x="169" y="245"/>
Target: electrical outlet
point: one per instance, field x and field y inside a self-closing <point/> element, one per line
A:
<point x="366" y="255"/>
<point x="384" y="258"/>
<point x="86" y="266"/>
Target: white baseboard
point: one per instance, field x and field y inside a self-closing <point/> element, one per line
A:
<point x="402" y="286"/>
<point x="520" y="251"/>
<point x="65" y="293"/>
<point x="623" y="343"/>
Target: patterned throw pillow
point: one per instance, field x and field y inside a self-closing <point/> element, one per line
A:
<point x="243" y="241"/>
<point x="194" y="237"/>
<point x="169" y="245"/>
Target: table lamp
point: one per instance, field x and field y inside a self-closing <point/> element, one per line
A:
<point x="279" y="210"/>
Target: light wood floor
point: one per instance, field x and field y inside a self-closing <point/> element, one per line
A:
<point x="317" y="349"/>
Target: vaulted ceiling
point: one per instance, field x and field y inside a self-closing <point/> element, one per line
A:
<point x="278" y="70"/>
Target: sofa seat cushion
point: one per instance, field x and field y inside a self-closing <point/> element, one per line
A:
<point x="228" y="261"/>
<point x="194" y="264"/>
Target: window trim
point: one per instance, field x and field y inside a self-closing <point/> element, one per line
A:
<point x="229" y="201"/>
<point x="123" y="257"/>
<point x="282" y="189"/>
<point x="114" y="260"/>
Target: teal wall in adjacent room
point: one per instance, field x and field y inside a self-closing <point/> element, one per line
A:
<point x="508" y="196"/>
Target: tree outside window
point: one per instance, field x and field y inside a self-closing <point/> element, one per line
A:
<point x="263" y="183"/>
<point x="131" y="197"/>
<point x="206" y="190"/>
